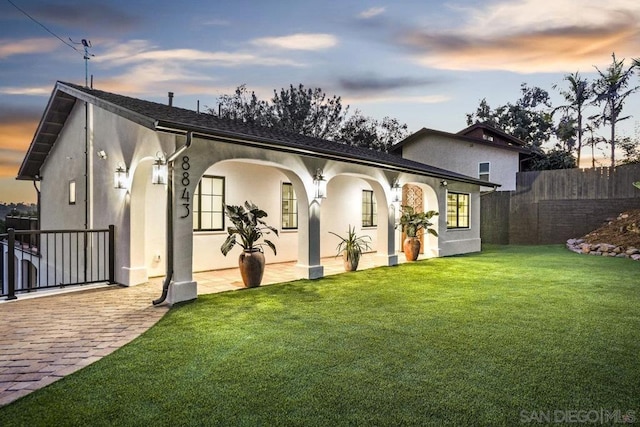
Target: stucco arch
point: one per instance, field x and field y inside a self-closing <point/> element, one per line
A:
<point x="259" y="180"/>
<point x="343" y="208"/>
<point x="147" y="225"/>
<point x="429" y="202"/>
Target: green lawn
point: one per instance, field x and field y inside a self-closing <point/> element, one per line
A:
<point x="505" y="337"/>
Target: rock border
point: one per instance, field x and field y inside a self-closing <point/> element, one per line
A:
<point x="579" y="246"/>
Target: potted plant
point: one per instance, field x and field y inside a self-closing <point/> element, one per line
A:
<point x="351" y="247"/>
<point x="412" y="222"/>
<point x="249" y="226"/>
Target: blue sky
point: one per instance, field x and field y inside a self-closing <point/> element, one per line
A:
<point x="426" y="63"/>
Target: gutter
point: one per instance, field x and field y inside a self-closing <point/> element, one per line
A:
<point x="170" y="197"/>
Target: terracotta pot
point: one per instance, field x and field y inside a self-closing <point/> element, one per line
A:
<point x="349" y="265"/>
<point x="411" y="248"/>
<point x="251" y="268"/>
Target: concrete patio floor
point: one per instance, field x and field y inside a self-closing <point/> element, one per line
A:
<point x="47" y="337"/>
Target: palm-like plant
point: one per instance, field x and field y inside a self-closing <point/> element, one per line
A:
<point x="352" y="245"/>
<point x="577" y="97"/>
<point x="612" y="90"/>
<point x="412" y="222"/>
<point x="248" y="225"/>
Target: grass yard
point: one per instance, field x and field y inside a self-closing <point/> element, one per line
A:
<point x="506" y="337"/>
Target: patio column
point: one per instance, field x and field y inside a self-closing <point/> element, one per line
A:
<point x="183" y="179"/>
<point x="309" y="266"/>
<point x="387" y="232"/>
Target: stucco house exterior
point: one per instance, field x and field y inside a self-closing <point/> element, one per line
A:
<point x="94" y="154"/>
<point x="479" y="150"/>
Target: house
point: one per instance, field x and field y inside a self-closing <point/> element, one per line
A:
<point x="480" y="151"/>
<point x="175" y="227"/>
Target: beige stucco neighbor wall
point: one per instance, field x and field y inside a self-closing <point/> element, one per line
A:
<point x="464" y="157"/>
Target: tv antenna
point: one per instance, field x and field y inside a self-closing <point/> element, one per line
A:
<point x="87" y="45"/>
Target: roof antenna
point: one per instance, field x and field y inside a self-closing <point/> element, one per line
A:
<point x="86" y="44"/>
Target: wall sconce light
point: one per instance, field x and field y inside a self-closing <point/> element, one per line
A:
<point x="396" y="191"/>
<point x="102" y="154"/>
<point x="320" y="184"/>
<point x="443" y="183"/>
<point x="120" y="177"/>
<point x="159" y="171"/>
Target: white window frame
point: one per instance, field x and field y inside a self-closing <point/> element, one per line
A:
<point x="487" y="173"/>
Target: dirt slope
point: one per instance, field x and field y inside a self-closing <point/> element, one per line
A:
<point x="623" y="231"/>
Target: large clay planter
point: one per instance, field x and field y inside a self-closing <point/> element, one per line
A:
<point x="349" y="265"/>
<point x="251" y="268"/>
<point x="411" y="248"/>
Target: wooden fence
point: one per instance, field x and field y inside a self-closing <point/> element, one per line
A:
<point x="553" y="206"/>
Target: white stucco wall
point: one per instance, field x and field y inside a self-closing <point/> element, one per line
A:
<point x="251" y="173"/>
<point x="260" y="185"/>
<point x="65" y="163"/>
<point x="460" y="241"/>
<point x="343" y="208"/>
<point x="464" y="157"/>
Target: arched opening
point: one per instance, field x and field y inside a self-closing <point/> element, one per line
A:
<point x="274" y="189"/>
<point x="422" y="198"/>
<point x="147" y="237"/>
<point x="359" y="202"/>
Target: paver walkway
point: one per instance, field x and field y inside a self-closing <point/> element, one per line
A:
<point x="45" y="338"/>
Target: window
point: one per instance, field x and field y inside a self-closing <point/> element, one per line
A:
<point x="208" y="204"/>
<point x="369" y="209"/>
<point x="483" y="171"/>
<point x="72" y="192"/>
<point x="457" y="210"/>
<point x="289" y="207"/>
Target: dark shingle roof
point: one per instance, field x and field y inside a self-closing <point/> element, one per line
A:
<point x="160" y="116"/>
<point x="514" y="143"/>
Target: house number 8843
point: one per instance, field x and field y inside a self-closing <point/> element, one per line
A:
<point x="186" y="199"/>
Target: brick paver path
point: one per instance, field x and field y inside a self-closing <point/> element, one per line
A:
<point x="43" y="339"/>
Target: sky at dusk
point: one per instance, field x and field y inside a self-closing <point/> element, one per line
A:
<point x="426" y="63"/>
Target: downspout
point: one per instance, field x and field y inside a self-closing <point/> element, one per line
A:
<point x="170" y="193"/>
<point x="39" y="227"/>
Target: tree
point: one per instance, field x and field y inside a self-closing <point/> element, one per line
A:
<point x="367" y="132"/>
<point x="612" y="90"/>
<point x="528" y="119"/>
<point x="577" y="97"/>
<point x="593" y="140"/>
<point x="555" y="158"/>
<point x="244" y="107"/>
<point x="310" y="112"/>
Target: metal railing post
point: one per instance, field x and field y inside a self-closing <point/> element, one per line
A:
<point x="112" y="254"/>
<point x="11" y="264"/>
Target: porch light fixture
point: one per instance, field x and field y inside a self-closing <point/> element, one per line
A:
<point x="120" y="178"/>
<point x="159" y="170"/>
<point x="320" y="184"/>
<point x="396" y="191"/>
<point x="443" y="183"/>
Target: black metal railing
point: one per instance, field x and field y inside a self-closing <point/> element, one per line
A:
<point x="36" y="259"/>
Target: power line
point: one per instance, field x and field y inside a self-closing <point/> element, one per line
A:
<point x="46" y="29"/>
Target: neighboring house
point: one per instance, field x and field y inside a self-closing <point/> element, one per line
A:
<point x="116" y="141"/>
<point x="479" y="151"/>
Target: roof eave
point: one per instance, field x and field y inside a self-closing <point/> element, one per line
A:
<point x="260" y="142"/>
